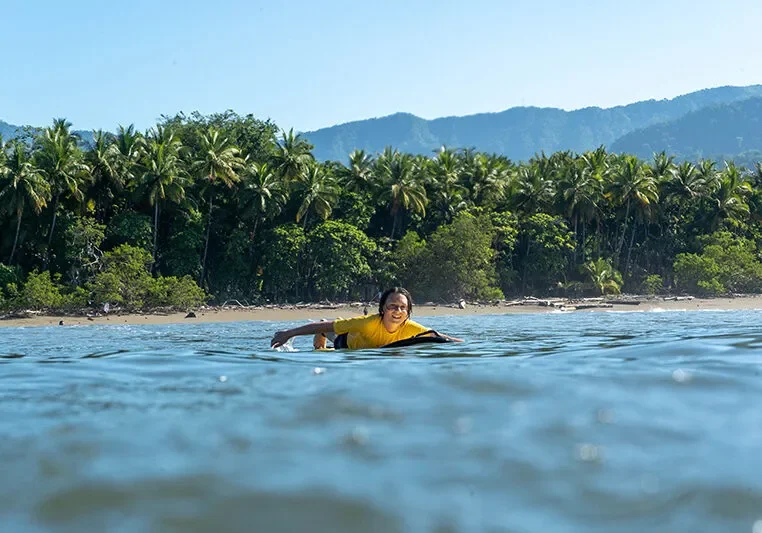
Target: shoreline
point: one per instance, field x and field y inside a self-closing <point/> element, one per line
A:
<point x="307" y="312"/>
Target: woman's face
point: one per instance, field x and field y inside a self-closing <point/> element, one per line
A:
<point x="395" y="311"/>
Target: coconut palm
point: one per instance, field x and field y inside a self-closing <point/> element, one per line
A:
<point x="318" y="192"/>
<point x="22" y="185"/>
<point x="603" y="276"/>
<point x="130" y="145"/>
<point x="263" y="193"/>
<point x="292" y="155"/>
<point x="488" y="178"/>
<point x="59" y="155"/>
<point x="443" y="175"/>
<point x="632" y="186"/>
<point x="161" y="175"/>
<point x="401" y="187"/>
<point x="683" y="184"/>
<point x="358" y="175"/>
<point x="578" y="193"/>
<point x="218" y="161"/>
<point x="534" y="190"/>
<point x="729" y="199"/>
<point x="102" y="159"/>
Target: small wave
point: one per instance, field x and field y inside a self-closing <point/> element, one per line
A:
<point x="206" y="503"/>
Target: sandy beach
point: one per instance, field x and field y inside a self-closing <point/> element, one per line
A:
<point x="309" y="312"/>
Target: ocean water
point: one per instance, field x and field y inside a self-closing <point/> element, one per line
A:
<point x="582" y="422"/>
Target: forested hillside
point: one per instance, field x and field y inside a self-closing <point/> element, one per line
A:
<point x="518" y="133"/>
<point x="714" y="131"/>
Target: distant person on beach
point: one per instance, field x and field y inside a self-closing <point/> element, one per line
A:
<point x="391" y="324"/>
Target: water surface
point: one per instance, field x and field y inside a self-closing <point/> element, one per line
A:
<point x="604" y="422"/>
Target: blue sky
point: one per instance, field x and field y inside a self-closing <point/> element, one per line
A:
<point x="311" y="64"/>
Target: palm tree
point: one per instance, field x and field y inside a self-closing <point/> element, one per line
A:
<point x="662" y="165"/>
<point x="21" y="185"/>
<point x="161" y="175"/>
<point x="444" y="174"/>
<point x="729" y="198"/>
<point x="218" y="162"/>
<point x="488" y="178"/>
<point x="534" y="190"/>
<point x="358" y="175"/>
<point x="578" y="193"/>
<point x="292" y="155"/>
<point x="632" y="185"/>
<point x="683" y="184"/>
<point x="603" y="276"/>
<point x="401" y="187"/>
<point x="102" y="159"/>
<point x="597" y="164"/>
<point x="130" y="145"/>
<point x="263" y="194"/>
<point x="319" y="193"/>
<point x="60" y="157"/>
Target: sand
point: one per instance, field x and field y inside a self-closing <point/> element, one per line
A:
<point x="307" y="313"/>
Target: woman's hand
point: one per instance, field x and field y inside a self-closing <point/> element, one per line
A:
<point x="280" y="338"/>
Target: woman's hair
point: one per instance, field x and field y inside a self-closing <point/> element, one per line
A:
<point x="395" y="290"/>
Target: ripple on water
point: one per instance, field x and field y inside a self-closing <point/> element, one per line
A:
<point x="207" y="503"/>
<point x="622" y="422"/>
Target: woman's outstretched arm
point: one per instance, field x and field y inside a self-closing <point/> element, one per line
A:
<point x="281" y="337"/>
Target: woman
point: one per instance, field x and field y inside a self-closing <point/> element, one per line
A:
<point x="392" y="323"/>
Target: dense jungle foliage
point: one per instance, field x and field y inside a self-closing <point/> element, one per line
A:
<point x="213" y="208"/>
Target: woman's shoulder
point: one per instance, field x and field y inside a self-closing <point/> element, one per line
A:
<point x="359" y="319"/>
<point x="413" y="325"/>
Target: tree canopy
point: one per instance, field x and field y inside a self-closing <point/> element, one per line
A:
<point x="237" y="206"/>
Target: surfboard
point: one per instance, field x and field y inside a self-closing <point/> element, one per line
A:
<point x="428" y="337"/>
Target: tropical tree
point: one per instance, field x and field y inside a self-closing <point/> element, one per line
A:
<point x="578" y="193"/>
<point x="59" y="156"/>
<point x="358" y="176"/>
<point x="729" y="199"/>
<point x="318" y="192"/>
<point x="161" y="175"/>
<point x="445" y="192"/>
<point x="632" y="186"/>
<point x="292" y="155"/>
<point x="22" y="185"/>
<point x="534" y="190"/>
<point x="262" y="194"/>
<point x="102" y="159"/>
<point x="603" y="276"/>
<point x="487" y="179"/>
<point x="129" y="146"/>
<point x="401" y="188"/>
<point x="218" y="161"/>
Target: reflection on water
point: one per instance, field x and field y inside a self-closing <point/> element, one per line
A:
<point x="565" y="422"/>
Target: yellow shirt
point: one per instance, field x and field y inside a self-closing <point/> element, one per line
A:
<point x="369" y="331"/>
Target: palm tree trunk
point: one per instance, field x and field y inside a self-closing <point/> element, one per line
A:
<point x="52" y="229"/>
<point x="526" y="265"/>
<point x="155" y="231"/>
<point x="624" y="232"/>
<point x="584" y="238"/>
<point x="629" y="251"/>
<point x="16" y="239"/>
<point x="206" y="242"/>
<point x="576" y="236"/>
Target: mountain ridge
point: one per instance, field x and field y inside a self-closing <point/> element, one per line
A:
<point x="523" y="131"/>
<point x="517" y="132"/>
